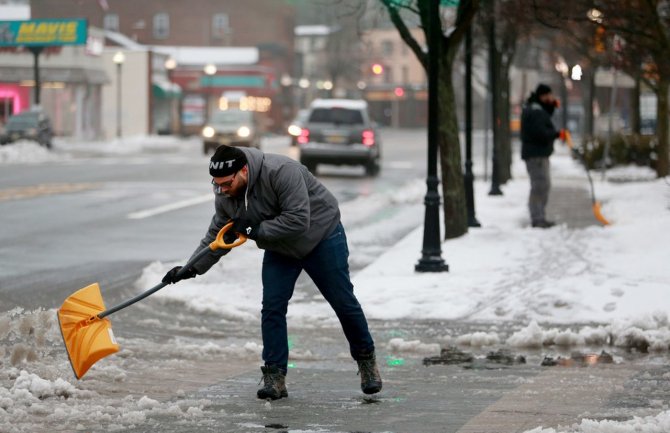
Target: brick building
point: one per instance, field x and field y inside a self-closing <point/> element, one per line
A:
<point x="267" y="25"/>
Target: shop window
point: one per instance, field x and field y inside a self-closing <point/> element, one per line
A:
<point x="161" y="25"/>
<point x="388" y="75"/>
<point x="111" y="22"/>
<point x="387" y="48"/>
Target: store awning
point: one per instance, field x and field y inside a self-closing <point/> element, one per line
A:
<point x="162" y="88"/>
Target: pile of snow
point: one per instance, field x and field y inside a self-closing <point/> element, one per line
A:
<point x="651" y="424"/>
<point x="414" y="346"/>
<point x="630" y="173"/>
<point x="478" y="339"/>
<point x="507" y="271"/>
<point x="30" y="152"/>
<point x="26" y="152"/>
<point x="131" y="145"/>
<point x="38" y="391"/>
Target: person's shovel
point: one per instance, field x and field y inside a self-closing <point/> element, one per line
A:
<point x="86" y="331"/>
<point x="595" y="204"/>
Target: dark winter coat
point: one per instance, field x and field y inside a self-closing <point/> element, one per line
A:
<point x="294" y="209"/>
<point x="537" y="131"/>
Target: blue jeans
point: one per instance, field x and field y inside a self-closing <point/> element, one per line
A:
<point x="328" y="266"/>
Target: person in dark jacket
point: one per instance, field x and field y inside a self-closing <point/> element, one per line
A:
<point x="537" y="144"/>
<point x="278" y="203"/>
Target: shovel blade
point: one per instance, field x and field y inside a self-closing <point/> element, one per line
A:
<point x="598" y="214"/>
<point x="87" y="338"/>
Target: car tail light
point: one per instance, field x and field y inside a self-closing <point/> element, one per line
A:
<point x="368" y="137"/>
<point x="303" y="138"/>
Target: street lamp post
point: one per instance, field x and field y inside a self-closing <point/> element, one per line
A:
<point x="118" y="59"/>
<point x="493" y="76"/>
<point x="431" y="254"/>
<point x="210" y="69"/>
<point x="175" y="118"/>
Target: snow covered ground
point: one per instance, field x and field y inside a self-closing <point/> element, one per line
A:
<point x="561" y="286"/>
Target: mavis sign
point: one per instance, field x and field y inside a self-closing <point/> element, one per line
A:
<point x="47" y="32"/>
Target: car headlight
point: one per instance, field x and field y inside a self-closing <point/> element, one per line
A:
<point x="294" y="130"/>
<point x="208" y="132"/>
<point x="243" y="132"/>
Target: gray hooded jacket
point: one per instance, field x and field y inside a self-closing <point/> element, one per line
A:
<point x="294" y="209"/>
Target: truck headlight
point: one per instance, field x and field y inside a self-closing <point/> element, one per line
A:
<point x="208" y="132"/>
<point x="294" y="130"/>
<point x="243" y="132"/>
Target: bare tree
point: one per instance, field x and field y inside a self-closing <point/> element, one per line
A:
<point x="512" y="21"/>
<point x="455" y="21"/>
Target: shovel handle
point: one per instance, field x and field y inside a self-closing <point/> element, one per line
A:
<point x="219" y="242"/>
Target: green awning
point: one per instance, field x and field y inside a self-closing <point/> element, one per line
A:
<point x="164" y="89"/>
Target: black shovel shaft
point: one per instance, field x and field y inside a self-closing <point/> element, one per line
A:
<point x="154" y="289"/>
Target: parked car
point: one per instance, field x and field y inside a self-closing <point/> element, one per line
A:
<point x="231" y="127"/>
<point x="340" y="132"/>
<point x="28" y="125"/>
<point x="295" y="128"/>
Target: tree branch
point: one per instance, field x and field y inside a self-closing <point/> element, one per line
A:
<point x="406" y="35"/>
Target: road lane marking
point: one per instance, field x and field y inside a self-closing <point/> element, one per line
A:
<point x="170" y="207"/>
<point x="44" y="189"/>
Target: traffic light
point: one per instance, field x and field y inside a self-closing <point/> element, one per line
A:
<point x="377" y="69"/>
<point x="399" y="92"/>
<point x="599" y="40"/>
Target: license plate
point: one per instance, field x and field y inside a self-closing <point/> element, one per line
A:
<point x="337" y="139"/>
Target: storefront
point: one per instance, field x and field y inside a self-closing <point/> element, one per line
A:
<point x="71" y="80"/>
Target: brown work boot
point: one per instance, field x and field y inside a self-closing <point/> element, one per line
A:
<point x="275" y="383"/>
<point x="371" y="380"/>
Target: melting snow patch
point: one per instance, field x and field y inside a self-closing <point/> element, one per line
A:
<point x="650" y="424"/>
<point x="42" y="388"/>
<point x="479" y="339"/>
<point x="400" y="345"/>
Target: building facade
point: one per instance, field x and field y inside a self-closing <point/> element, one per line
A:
<point x="71" y="78"/>
<point x="393" y="80"/>
<point x="264" y="25"/>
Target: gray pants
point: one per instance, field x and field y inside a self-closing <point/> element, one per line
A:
<point x="540" y="184"/>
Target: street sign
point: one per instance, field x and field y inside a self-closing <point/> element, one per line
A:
<point x="43" y="33"/>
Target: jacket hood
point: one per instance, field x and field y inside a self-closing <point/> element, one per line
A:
<point x="254" y="164"/>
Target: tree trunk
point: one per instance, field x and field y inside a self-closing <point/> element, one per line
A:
<point x="636" y="120"/>
<point x="662" y="126"/>
<point x="589" y="80"/>
<point x="453" y="191"/>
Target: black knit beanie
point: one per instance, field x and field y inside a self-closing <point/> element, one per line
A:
<point x="226" y="160"/>
<point x="542" y="89"/>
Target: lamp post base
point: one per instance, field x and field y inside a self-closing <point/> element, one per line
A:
<point x="431" y="264"/>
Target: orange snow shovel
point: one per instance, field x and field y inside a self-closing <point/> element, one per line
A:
<point x="86" y="331"/>
<point x="595" y="204"/>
